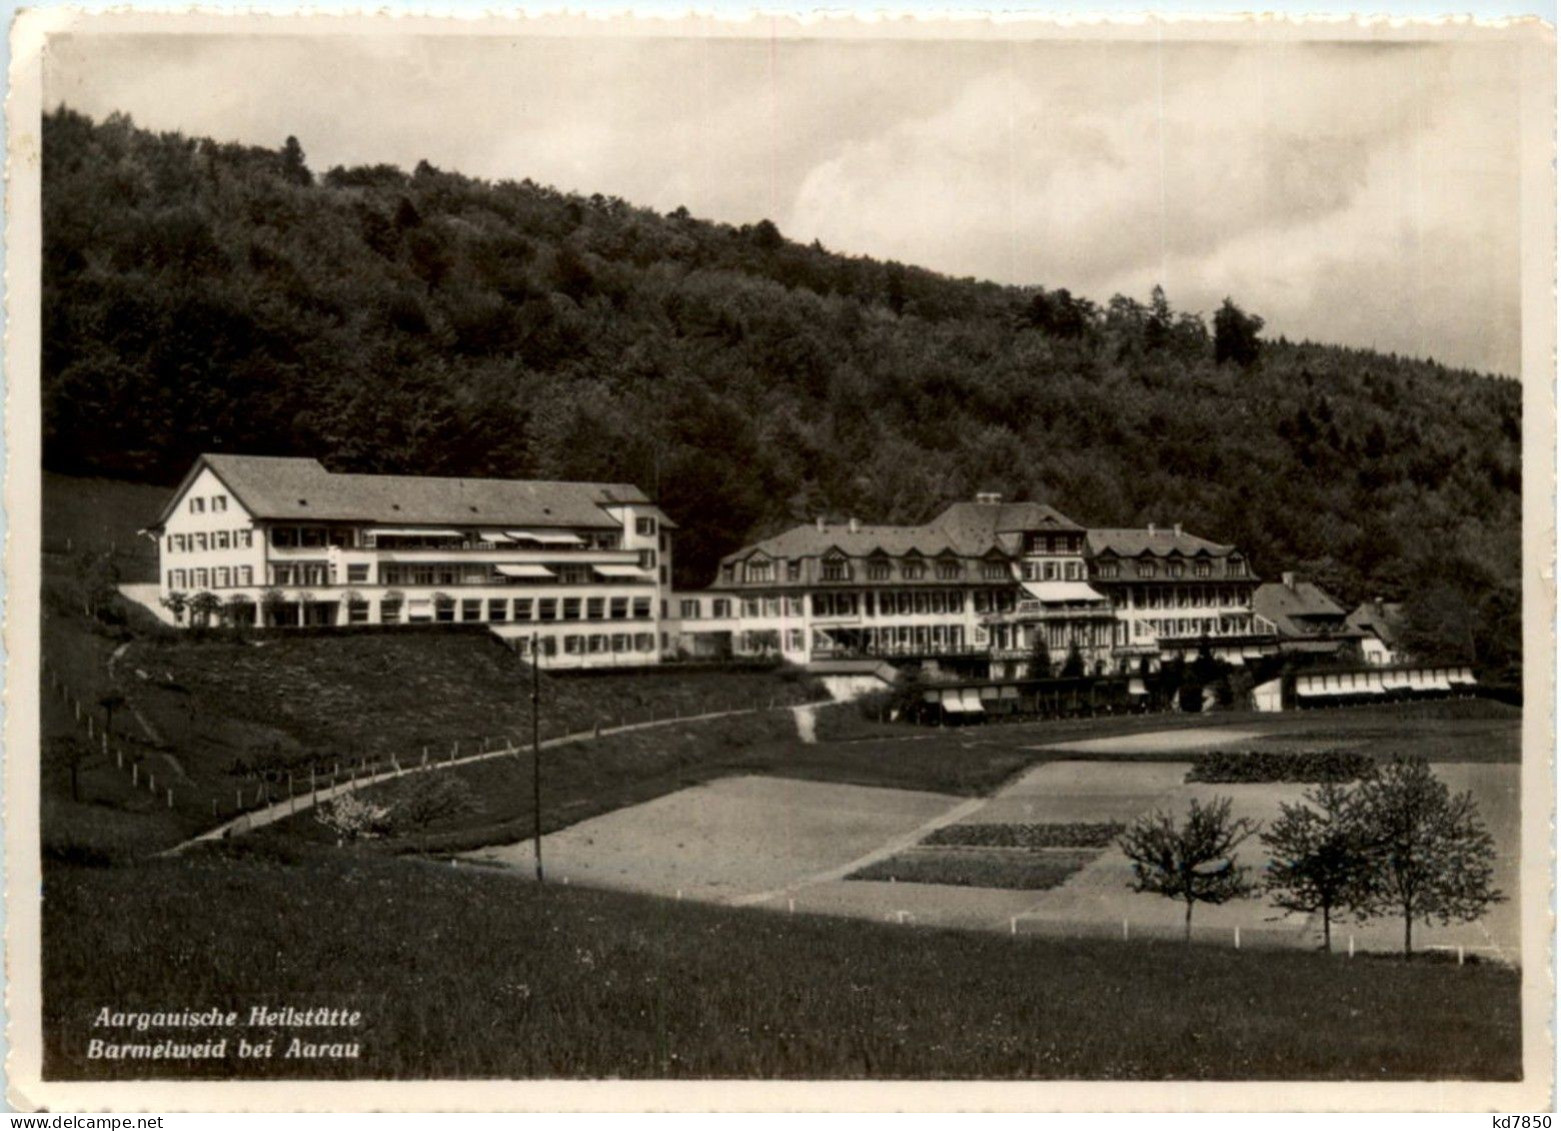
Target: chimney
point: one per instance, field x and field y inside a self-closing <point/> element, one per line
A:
<point x="1288" y="579"/>
<point x="854" y="525"/>
<point x="1151" y="530"/>
<point x="1178" y="529"/>
<point x="820" y="523"/>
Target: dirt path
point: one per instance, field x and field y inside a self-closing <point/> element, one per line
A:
<point x="283" y="809"/>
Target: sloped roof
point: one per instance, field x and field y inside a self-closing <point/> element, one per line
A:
<point x="1291" y="607"/>
<point x="1385" y="619"/>
<point x="974" y="522"/>
<point x="276" y="487"/>
<point x="1130" y="542"/>
<point x="809" y="541"/>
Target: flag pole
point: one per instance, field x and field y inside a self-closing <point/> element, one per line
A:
<point x="536" y="749"/>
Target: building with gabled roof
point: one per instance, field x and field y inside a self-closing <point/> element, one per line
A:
<point x="1381" y="624"/>
<point x="577" y="570"/>
<point x="984" y="585"/>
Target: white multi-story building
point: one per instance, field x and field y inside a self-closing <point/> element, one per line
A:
<point x="976" y="590"/>
<point x="583" y="569"/>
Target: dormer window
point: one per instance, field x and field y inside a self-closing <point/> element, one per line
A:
<point x="1147" y="569"/>
<point x="948" y="569"/>
<point x="913" y="568"/>
<point x="836" y="567"/>
<point x="878" y="568"/>
<point x="995" y="569"/>
<point x="1238" y="568"/>
<point x="1202" y="569"/>
<point x="1175" y="569"/>
<point x="761" y="569"/>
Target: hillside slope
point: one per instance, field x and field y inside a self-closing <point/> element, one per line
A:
<point x="207" y="296"/>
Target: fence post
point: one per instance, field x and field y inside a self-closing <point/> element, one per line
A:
<point x="135" y="774"/>
<point x="238" y="800"/>
<point x="105" y="742"/>
<point x="1352" y="946"/>
<point x="151" y="782"/>
<point x="119" y="757"/>
<point x="213" y="806"/>
<point x="170" y="799"/>
<point x="90" y="735"/>
<point x="1238" y="938"/>
<point x="1460" y="955"/>
<point x="1124" y="930"/>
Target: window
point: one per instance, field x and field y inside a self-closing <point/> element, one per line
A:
<point x="994" y="570"/>
<point x="1108" y="570"/>
<point x="721" y="607"/>
<point x="620" y="608"/>
<point x="200" y="541"/>
<point x="358" y="571"/>
<point x="647" y="559"/>
<point x="620" y="641"/>
<point x="522" y="608"/>
<point x="836" y="568"/>
<point x="573" y="645"/>
<point x="1147" y="569"/>
<point x="471" y="609"/>
<point x="663" y="542"/>
<point x="390" y="611"/>
<point x="243" y="538"/>
<point x="794" y="571"/>
<point x="598" y="643"/>
<point x="913" y="569"/>
<point x="594" y="609"/>
<point x="794" y="607"/>
<point x="772" y="607"/>
<point x="284" y="536"/>
<point x="1201" y="569"/>
<point x="948" y="571"/>
<point x="726" y="574"/>
<point x="1238" y="568"/>
<point x="547" y="608"/>
<point x="219" y="502"/>
<point x="498" y="609"/>
<point x="641" y="608"/>
<point x="689" y="610"/>
<point x="645" y="641"/>
<point x="750" y="606"/>
<point x="760" y="569"/>
<point x="202" y="579"/>
<point x="878" y="570"/>
<point x="219" y="540"/>
<point x="794" y="640"/>
<point x="1174" y="569"/>
<point x="645" y="526"/>
<point x="222" y="577"/>
<point x="311" y="536"/>
<point x="571" y="608"/>
<point x="1049" y="573"/>
<point x="246" y="575"/>
<point x="197" y="506"/>
<point x="357" y="612"/>
<point x="574" y="575"/>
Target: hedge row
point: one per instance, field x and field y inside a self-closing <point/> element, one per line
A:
<point x="1272" y="766"/>
<point x="1076" y="835"/>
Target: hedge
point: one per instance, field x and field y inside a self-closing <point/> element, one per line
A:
<point x="1272" y="766"/>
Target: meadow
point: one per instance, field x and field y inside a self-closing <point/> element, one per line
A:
<point x="468" y="972"/>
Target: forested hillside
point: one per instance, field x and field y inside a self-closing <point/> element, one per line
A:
<point x="200" y="295"/>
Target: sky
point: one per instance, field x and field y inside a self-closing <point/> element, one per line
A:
<point x="1360" y="193"/>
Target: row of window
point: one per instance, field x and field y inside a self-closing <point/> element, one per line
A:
<point x="199" y="503"/>
<point x="220" y="577"/>
<point x="1110" y="571"/>
<point x="1193" y="626"/>
<point x="203" y="540"/>
<point x="690" y="608"/>
<point x="839" y="568"/>
<point x="1053" y="571"/>
<point x="1184" y="596"/>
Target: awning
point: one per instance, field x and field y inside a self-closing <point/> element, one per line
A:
<point x="953" y="704"/>
<point x="1136" y="687"/>
<point x="1058" y="592"/>
<point x="493" y="536"/>
<point x="633" y="572"/>
<point x="546" y="537"/>
<point x="972" y="699"/>
<point x="413" y="532"/>
<point x="1009" y="692"/>
<point x="537" y="571"/>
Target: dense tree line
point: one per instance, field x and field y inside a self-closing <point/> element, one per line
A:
<point x="200" y="295"/>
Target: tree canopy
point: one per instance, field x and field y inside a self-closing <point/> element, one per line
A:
<point x="203" y="296"/>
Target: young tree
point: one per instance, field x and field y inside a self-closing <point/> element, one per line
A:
<point x="1321" y="860"/>
<point x="73" y="753"/>
<point x="176" y="602"/>
<point x="1073" y="666"/>
<point x="430" y="797"/>
<point x="1195" y="861"/>
<point x="1432" y="854"/>
<point x="203" y="606"/>
<point x="272" y="602"/>
<point x="1040" y="654"/>
<point x="351" y="817"/>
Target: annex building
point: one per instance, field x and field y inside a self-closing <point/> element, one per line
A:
<point x="582" y="568"/>
<point x="986" y="587"/>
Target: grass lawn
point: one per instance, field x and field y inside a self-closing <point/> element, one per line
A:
<point x="462" y="972"/>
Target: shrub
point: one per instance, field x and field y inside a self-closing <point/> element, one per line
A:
<point x="1281" y="766"/>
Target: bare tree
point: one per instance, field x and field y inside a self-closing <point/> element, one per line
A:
<point x="1195" y="861"/>
<point x="1433" y="857"/>
<point x="429" y="797"/>
<point x="1321" y="859"/>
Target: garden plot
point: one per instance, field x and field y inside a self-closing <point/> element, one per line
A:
<point x="731" y="838"/>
